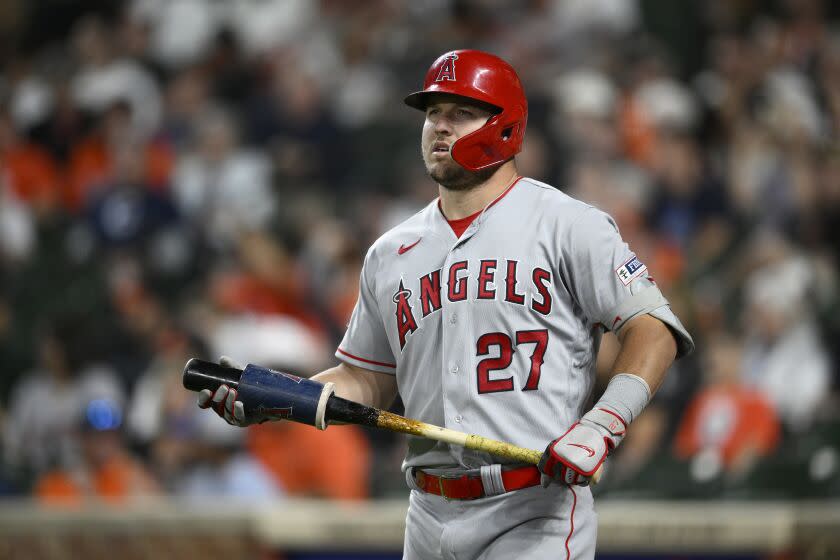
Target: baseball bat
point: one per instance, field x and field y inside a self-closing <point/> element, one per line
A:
<point x="199" y="375"/>
<point x="351" y="412"/>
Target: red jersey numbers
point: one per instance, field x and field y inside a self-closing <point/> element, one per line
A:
<point x="539" y="339"/>
<point x="499" y="347"/>
<point x="487" y="365"/>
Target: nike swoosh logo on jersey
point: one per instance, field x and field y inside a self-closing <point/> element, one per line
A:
<point x="406" y="248"/>
<point x="586" y="448"/>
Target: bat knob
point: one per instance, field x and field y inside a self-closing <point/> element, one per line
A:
<point x="201" y="374"/>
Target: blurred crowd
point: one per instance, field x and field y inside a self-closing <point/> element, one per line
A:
<point x="196" y="178"/>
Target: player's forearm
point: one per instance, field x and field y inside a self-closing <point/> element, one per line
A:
<point x="363" y="386"/>
<point x="647" y="349"/>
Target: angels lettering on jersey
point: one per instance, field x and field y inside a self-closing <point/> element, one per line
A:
<point x="485" y="281"/>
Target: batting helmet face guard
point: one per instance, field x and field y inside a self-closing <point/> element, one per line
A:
<point x="486" y="78"/>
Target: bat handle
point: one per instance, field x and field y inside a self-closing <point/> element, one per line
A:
<point x="596" y="478"/>
<point x="201" y="374"/>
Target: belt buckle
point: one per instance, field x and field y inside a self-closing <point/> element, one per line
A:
<point x="443" y="477"/>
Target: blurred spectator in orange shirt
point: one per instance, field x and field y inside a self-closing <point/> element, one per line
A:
<point x="295" y="455"/>
<point x="268" y="281"/>
<point x="727" y="419"/>
<point x="105" y="469"/>
<point x="28" y="169"/>
<point x="92" y="159"/>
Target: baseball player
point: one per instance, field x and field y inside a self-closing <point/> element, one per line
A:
<point x="484" y="311"/>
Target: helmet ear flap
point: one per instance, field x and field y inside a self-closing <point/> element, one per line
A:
<point x="493" y="144"/>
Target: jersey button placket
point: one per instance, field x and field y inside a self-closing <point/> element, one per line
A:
<point x="455" y="342"/>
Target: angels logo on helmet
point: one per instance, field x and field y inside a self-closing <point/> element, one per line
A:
<point x="447" y="70"/>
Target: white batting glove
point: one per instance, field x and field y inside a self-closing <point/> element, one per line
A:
<point x="224" y="401"/>
<point x="576" y="455"/>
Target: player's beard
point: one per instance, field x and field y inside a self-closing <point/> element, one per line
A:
<point x="450" y="175"/>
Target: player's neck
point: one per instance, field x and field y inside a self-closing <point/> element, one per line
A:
<point x="460" y="204"/>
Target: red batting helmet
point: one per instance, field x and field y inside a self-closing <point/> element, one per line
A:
<point x="487" y="78"/>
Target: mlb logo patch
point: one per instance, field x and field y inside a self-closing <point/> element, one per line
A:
<point x="630" y="270"/>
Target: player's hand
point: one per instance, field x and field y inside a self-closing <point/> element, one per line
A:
<point x="576" y="455"/>
<point x="224" y="401"/>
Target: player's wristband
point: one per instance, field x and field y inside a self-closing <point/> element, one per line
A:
<point x="626" y="395"/>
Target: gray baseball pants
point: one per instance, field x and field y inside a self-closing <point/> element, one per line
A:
<point x="558" y="522"/>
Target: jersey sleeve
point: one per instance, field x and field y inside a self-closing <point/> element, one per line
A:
<point x="608" y="281"/>
<point x="365" y="343"/>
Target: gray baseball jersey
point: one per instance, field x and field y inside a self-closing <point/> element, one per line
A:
<point x="496" y="332"/>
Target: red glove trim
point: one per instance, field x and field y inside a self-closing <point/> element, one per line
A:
<point x="587" y="474"/>
<point x="553" y="458"/>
